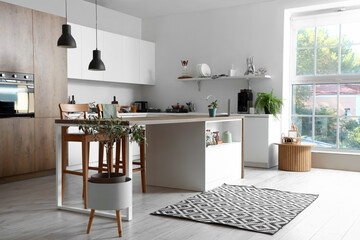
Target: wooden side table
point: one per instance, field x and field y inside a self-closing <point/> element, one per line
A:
<point x="295" y="157"/>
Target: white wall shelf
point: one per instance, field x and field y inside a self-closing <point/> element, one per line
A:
<point x="247" y="77"/>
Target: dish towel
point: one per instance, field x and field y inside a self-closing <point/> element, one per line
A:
<point x="109" y="111"/>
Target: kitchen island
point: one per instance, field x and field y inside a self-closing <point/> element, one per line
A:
<point x="176" y="154"/>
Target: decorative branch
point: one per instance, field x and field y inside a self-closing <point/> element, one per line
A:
<point x="114" y="130"/>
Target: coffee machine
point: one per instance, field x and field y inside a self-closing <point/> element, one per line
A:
<point x="245" y="100"/>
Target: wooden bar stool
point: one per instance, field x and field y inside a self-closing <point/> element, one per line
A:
<point x="121" y="163"/>
<point x="84" y="138"/>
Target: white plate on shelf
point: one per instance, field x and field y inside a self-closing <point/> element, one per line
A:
<point x="203" y="70"/>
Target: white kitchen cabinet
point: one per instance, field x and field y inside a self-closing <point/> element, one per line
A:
<point x="74" y="54"/>
<point x="131" y="47"/>
<point x="113" y="57"/>
<point x="126" y="59"/>
<point x="177" y="156"/>
<point x="147" y="63"/>
<point x="223" y="161"/>
<point x="88" y="45"/>
<point x="260" y="134"/>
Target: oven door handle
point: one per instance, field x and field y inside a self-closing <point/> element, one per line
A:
<point x="22" y="84"/>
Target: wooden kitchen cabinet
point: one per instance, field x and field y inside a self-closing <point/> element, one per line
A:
<point x="50" y="66"/>
<point x="29" y="45"/>
<point x="45" y="147"/>
<point x="16" y="40"/>
<point x="16" y="146"/>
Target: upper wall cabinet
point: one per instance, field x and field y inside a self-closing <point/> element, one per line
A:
<point x="16" y="40"/>
<point x="131" y="48"/>
<point x="74" y="54"/>
<point x="127" y="60"/>
<point x="147" y="63"/>
<point x="113" y="57"/>
<point x="88" y="41"/>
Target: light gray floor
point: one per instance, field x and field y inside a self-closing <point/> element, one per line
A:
<point x="27" y="210"/>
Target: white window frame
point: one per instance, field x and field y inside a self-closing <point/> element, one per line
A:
<point x="319" y="79"/>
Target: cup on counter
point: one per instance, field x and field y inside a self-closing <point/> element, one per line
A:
<point x="133" y="108"/>
<point x="252" y="110"/>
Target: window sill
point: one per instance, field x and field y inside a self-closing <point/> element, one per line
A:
<point x="357" y="153"/>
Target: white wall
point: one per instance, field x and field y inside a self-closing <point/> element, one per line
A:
<point x="222" y="37"/>
<point x="83" y="13"/>
<point x="219" y="38"/>
<point x="99" y="92"/>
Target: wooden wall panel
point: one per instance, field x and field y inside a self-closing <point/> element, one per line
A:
<point x="16" y="146"/>
<point x="50" y="65"/>
<point x="16" y="39"/>
<point x="45" y="157"/>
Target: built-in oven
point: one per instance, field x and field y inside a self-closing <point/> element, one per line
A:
<point x="16" y="95"/>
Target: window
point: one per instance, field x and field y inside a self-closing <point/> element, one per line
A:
<point x="325" y="80"/>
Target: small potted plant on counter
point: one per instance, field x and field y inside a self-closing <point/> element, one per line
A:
<point x="212" y="106"/>
<point x="269" y="103"/>
<point x="110" y="191"/>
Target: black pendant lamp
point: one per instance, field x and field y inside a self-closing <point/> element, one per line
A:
<point x="66" y="40"/>
<point x="96" y="63"/>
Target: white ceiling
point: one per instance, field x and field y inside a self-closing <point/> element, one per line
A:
<point x="155" y="8"/>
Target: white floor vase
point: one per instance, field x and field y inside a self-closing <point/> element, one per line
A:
<point x="109" y="196"/>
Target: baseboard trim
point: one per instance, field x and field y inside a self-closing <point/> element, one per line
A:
<point x="335" y="161"/>
<point x="26" y="176"/>
<point x="256" y="164"/>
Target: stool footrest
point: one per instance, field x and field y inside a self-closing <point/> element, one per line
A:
<point x="73" y="172"/>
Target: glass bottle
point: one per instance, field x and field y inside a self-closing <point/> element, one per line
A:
<point x="72" y="100"/>
<point x="114" y="101"/>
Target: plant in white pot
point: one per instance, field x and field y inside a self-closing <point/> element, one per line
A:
<point x="110" y="191"/>
<point x="212" y="106"/>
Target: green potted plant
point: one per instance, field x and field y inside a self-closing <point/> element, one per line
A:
<point x="212" y="106"/>
<point x="110" y="191"/>
<point x="113" y="130"/>
<point x="92" y="107"/>
<point x="268" y="102"/>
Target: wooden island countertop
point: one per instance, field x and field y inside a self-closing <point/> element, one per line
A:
<point x="163" y="119"/>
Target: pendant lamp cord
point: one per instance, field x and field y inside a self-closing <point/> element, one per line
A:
<point x="66" y="10"/>
<point x="96" y="24"/>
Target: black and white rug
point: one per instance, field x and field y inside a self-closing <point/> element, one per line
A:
<point x="247" y="207"/>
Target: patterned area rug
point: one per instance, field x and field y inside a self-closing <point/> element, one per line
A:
<point x="246" y="207"/>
